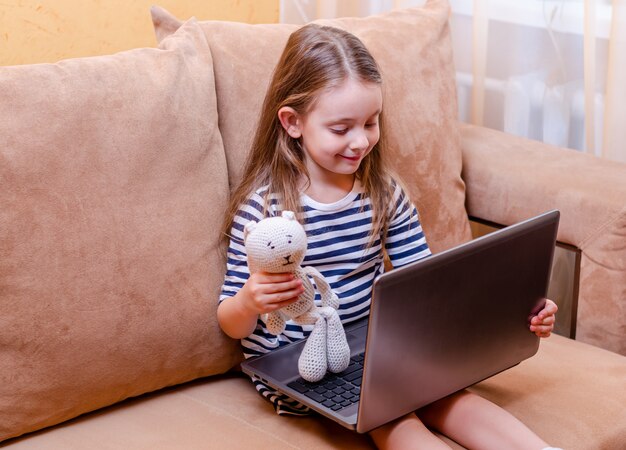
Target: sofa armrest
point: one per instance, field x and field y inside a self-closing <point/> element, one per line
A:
<point x="509" y="179"/>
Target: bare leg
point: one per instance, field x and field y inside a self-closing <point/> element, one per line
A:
<point x="406" y="433"/>
<point x="475" y="422"/>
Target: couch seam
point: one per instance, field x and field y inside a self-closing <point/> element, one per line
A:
<point x="592" y="235"/>
<point x="238" y="419"/>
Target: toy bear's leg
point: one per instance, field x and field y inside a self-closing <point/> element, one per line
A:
<point x="337" y="344"/>
<point x="313" y="362"/>
<point x="275" y="323"/>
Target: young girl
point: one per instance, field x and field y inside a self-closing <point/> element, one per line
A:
<point x="319" y="150"/>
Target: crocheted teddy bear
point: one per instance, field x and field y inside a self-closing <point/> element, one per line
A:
<point x="277" y="245"/>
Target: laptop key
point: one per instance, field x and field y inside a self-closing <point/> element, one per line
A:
<point x="354" y="375"/>
<point x="351" y="368"/>
<point x="346" y="388"/>
<point x="315" y="396"/>
<point x="336" y="407"/>
<point x="296" y="386"/>
<point x="328" y="403"/>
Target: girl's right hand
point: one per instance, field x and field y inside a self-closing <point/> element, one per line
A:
<point x="266" y="292"/>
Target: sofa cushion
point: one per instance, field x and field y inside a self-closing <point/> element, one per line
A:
<point x="570" y="393"/>
<point x="113" y="183"/>
<point x="414" y="50"/>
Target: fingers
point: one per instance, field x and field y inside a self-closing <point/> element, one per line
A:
<point x="283" y="298"/>
<point x="542" y="328"/>
<point x="278" y="282"/>
<point x="273" y="278"/>
<point x="543" y="323"/>
<point x="277" y="298"/>
<point x="283" y="291"/>
<point x="537" y="320"/>
<point x="291" y="288"/>
<point x="543" y="332"/>
<point x="278" y="305"/>
<point x="550" y="309"/>
<point x="270" y="291"/>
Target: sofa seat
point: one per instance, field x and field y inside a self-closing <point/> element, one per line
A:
<point x="225" y="412"/>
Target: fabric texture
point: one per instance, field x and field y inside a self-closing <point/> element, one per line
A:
<point x="510" y="179"/>
<point x="414" y="51"/>
<point x="113" y="181"/>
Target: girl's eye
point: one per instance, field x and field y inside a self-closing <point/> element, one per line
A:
<point x="339" y="130"/>
<point x="371" y="125"/>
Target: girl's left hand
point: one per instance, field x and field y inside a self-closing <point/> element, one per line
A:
<point x="543" y="323"/>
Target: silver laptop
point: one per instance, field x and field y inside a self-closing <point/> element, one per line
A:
<point x="436" y="326"/>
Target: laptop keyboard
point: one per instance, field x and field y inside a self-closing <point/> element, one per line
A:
<point x="336" y="390"/>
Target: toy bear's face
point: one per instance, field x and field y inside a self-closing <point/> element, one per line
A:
<point x="275" y="244"/>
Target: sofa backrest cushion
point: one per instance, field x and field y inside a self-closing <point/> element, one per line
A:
<point x="414" y="50"/>
<point x="113" y="186"/>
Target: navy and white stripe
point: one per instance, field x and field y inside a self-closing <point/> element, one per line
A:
<point x="338" y="246"/>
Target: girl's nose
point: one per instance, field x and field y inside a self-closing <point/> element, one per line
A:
<point x="359" y="141"/>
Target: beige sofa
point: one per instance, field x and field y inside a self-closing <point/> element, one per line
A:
<point x="115" y="172"/>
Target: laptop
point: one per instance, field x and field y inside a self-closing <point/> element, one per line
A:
<point x="436" y="326"/>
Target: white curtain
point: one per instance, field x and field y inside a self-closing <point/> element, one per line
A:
<point x="551" y="70"/>
<point x="614" y="130"/>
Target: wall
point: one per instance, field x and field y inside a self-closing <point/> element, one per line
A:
<point x="50" y="30"/>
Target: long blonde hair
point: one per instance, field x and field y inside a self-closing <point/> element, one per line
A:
<point x="316" y="58"/>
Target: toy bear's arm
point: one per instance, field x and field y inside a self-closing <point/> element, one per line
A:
<point x="275" y="322"/>
<point x="329" y="298"/>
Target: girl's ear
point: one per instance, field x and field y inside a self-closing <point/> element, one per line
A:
<point x="290" y="120"/>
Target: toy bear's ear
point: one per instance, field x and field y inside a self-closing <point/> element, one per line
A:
<point x="247" y="229"/>
<point x="289" y="215"/>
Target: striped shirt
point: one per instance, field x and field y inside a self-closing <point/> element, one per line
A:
<point x="338" y="246"/>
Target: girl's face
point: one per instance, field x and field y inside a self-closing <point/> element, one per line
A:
<point x="340" y="130"/>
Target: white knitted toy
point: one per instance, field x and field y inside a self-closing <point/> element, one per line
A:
<point x="278" y="245"/>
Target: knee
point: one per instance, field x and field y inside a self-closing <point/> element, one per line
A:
<point x="407" y="432"/>
<point x="391" y="431"/>
<point x="435" y="414"/>
<point x="462" y="397"/>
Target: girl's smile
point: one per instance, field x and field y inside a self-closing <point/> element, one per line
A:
<point x="351" y="158"/>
